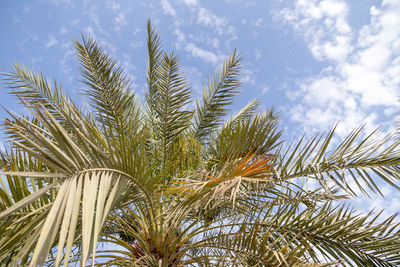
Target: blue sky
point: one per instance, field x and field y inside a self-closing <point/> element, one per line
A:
<point x="317" y="62"/>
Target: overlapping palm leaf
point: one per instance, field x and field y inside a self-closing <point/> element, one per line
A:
<point x="173" y="186"/>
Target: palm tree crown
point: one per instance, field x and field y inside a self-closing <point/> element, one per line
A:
<point x="160" y="184"/>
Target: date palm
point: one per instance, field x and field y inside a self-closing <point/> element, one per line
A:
<point x="156" y="183"/>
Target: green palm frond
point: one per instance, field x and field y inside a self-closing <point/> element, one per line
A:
<point x="244" y="113"/>
<point x="168" y="186"/>
<point x="355" y="159"/>
<point x="319" y="234"/>
<point x="109" y="87"/>
<point x="221" y="90"/>
<point x="154" y="56"/>
<point x="66" y="154"/>
<point x="171" y="97"/>
<point x="257" y="133"/>
<point x="337" y="233"/>
<point x="23" y="203"/>
<point x="33" y="88"/>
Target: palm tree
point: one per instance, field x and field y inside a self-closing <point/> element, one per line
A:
<point x="156" y="183"/>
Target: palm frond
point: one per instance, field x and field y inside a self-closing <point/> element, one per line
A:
<point x="250" y="168"/>
<point x="98" y="191"/>
<point x="174" y="187"/>
<point x="154" y="56"/>
<point x="171" y="97"/>
<point x="355" y="159"/>
<point x="244" y="113"/>
<point x="109" y="87"/>
<point x="33" y="88"/>
<point x="314" y="235"/>
<point x="23" y="203"/>
<point x="221" y="90"/>
<point x="257" y="133"/>
<point x="338" y="233"/>
<point x="66" y="154"/>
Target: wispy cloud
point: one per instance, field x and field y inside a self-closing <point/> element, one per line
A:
<point x="51" y="42"/>
<point x="248" y="76"/>
<point x="74" y="22"/>
<point x="64" y="3"/>
<point x="205" y="55"/>
<point x="208" y="18"/>
<point x="121" y="19"/>
<point x="191" y="2"/>
<point x="264" y="89"/>
<point x="93" y="15"/>
<point x="113" y="5"/>
<point x="167" y="7"/>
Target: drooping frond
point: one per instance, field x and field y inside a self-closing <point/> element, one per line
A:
<point x="226" y="181"/>
<point x="313" y="235"/>
<point x="41" y="143"/>
<point x="174" y="187"/>
<point x="355" y="160"/>
<point x="338" y="233"/>
<point x="219" y="94"/>
<point x="33" y="88"/>
<point x="23" y="203"/>
<point x="67" y="153"/>
<point x="98" y="191"/>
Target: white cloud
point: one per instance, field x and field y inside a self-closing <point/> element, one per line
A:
<point x="63" y="3"/>
<point x="363" y="81"/>
<point x="93" y="14"/>
<point x="259" y="22"/>
<point x="214" y="42"/>
<point x="167" y="7"/>
<point x="180" y="38"/>
<point x="74" y="22"/>
<point x="120" y="19"/>
<point x="113" y="5"/>
<point x="191" y="2"/>
<point x="52" y="41"/>
<point x="203" y="54"/>
<point x="66" y="61"/>
<point x="207" y="18"/>
<point x="129" y="69"/>
<point x="257" y="54"/>
<point x="26" y="9"/>
<point x="264" y="89"/>
<point x="248" y="77"/>
<point x="196" y="79"/>
<point x="324" y="26"/>
<point x="179" y="35"/>
<point x="63" y="31"/>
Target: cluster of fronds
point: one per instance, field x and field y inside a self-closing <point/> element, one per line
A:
<point x="165" y="185"/>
